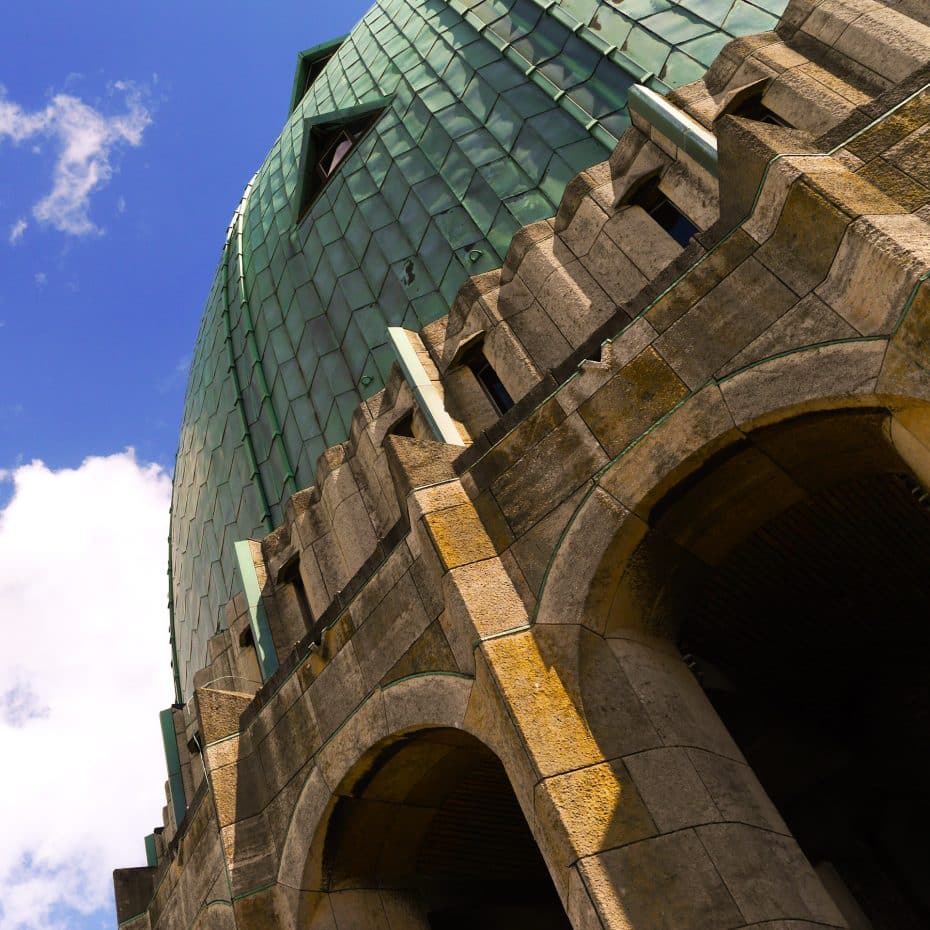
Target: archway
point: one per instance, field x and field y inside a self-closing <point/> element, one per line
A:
<point x="792" y="572"/>
<point x="426" y="832"/>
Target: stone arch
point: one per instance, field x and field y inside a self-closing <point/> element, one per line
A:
<point x="385" y="777"/>
<point x="733" y="531"/>
<point x="612" y="520"/>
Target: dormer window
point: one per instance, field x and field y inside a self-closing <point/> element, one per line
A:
<point x="328" y="142"/>
<point x="650" y="198"/>
<point x="310" y="64"/>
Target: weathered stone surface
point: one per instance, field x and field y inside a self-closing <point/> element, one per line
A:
<point x="663" y="883"/>
<point x="640" y="393"/>
<point x="734" y="313"/>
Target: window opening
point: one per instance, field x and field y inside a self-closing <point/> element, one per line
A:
<point x="403" y="426"/>
<point x="475" y="359"/>
<point x="314" y="69"/>
<point x="663" y="211"/>
<point x="753" y="108"/>
<point x="329" y="146"/>
<point x="290" y="574"/>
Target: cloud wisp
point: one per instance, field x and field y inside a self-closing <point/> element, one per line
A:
<point x="17" y="230"/>
<point x="86" y="140"/>
<point x="83" y="672"/>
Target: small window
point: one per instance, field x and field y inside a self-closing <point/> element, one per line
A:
<point x="403" y="426"/>
<point x="475" y="359"/>
<point x="326" y="147"/>
<point x="289" y="574"/>
<point x="310" y="64"/>
<point x="753" y="108"/>
<point x="314" y="69"/>
<point x="663" y="211"/>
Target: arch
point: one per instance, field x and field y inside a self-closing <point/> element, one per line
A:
<point x="420" y="701"/>
<point x="395" y="812"/>
<point x="409" y="741"/>
<point x="774" y="528"/>
<point x="612" y="520"/>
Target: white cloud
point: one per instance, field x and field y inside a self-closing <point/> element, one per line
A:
<point x="17" y="230"/>
<point x="86" y="139"/>
<point x="84" y="670"/>
<point x="40" y="278"/>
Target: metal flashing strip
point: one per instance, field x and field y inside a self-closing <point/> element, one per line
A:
<point x="424" y="390"/>
<point x="151" y="856"/>
<point x="173" y="761"/>
<point x="689" y="135"/>
<point x="261" y="633"/>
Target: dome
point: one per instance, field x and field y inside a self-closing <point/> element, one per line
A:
<point x="414" y="150"/>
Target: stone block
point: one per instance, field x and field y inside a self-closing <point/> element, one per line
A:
<point x="389" y="631"/>
<point x="574" y="301"/>
<point x="692" y="433"/>
<point x="587" y="811"/>
<point x="609" y="265"/>
<point x="900" y="187"/>
<point x="768" y="875"/>
<point x="488" y="719"/>
<point x="878" y="264"/>
<point x="427" y="700"/>
<point x="289" y="746"/>
<point x="580" y="908"/>
<point x="544" y="709"/>
<point x="736" y="311"/>
<point x="663" y="883"/>
<point x="672" y="698"/>
<point x="671" y="789"/>
<point x="804" y="381"/>
<point x="807" y="323"/>
<point x="548" y="473"/>
<point x="516" y="443"/>
<point x="638" y="395"/>
<point x="584" y="227"/>
<point x="736" y="792"/>
<point x="642" y="240"/>
<point x="365" y="726"/>
<point x="459" y="535"/>
<point x="430" y="652"/>
<point x="802" y="247"/>
<point x="541" y="339"/>
<point x="337" y="690"/>
<point x="534" y="550"/>
<point x="481" y="601"/>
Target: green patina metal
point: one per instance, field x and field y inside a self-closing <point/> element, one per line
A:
<point x="493" y="106"/>
<point x="151" y="856"/>
<point x="261" y="634"/>
<point x="173" y="761"/>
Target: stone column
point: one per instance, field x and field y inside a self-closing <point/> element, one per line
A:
<point x="647" y="813"/>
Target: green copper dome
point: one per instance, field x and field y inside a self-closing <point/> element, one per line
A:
<point x="472" y="117"/>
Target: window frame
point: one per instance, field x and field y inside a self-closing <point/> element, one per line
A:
<point x="320" y="134"/>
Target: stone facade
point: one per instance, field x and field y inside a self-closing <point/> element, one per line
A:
<point x="544" y="677"/>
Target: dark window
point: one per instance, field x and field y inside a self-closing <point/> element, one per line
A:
<point x="753" y="108"/>
<point x="475" y="359"/>
<point x="403" y="426"/>
<point x="314" y="69"/>
<point x="663" y="211"/>
<point x="328" y="147"/>
<point x="290" y="575"/>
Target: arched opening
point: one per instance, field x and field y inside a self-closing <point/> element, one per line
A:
<point x="800" y="564"/>
<point x="429" y="826"/>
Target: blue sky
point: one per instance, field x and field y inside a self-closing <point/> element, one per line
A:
<point x="127" y="133"/>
